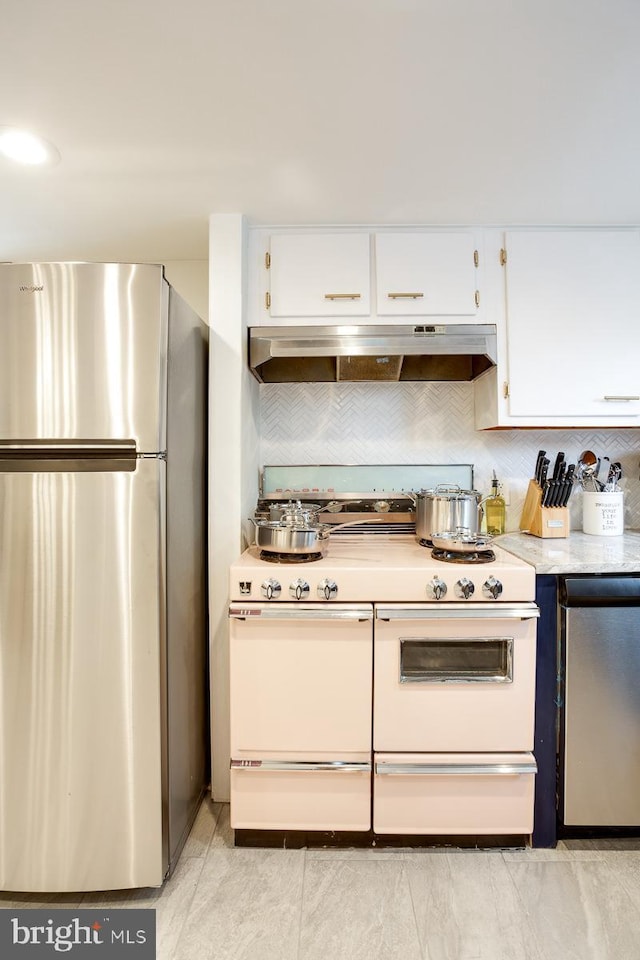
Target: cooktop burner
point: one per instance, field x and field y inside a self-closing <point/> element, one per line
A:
<point x="289" y="557"/>
<point x="454" y="556"/>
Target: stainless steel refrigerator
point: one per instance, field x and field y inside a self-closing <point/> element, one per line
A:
<point x="103" y="737"/>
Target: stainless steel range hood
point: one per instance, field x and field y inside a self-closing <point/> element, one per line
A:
<point x="314" y="354"/>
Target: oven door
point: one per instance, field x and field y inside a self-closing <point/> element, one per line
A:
<point x="301" y="688"/>
<point x="460" y="677"/>
<point x="300" y="681"/>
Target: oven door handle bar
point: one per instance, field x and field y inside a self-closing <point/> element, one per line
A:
<point x="476" y="612"/>
<point x="285" y="766"/>
<point x="284" y="613"/>
<point x="456" y="769"/>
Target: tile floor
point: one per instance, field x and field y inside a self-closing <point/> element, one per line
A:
<point x="578" y="902"/>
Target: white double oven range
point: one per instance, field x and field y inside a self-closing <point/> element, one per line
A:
<point x="378" y="692"/>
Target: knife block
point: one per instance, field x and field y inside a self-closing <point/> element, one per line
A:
<point x="545" y="522"/>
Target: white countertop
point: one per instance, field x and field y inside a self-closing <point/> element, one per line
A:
<point x="578" y="553"/>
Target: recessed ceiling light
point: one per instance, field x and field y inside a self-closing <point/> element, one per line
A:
<point x="25" y="147"/>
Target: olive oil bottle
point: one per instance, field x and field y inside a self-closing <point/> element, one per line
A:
<point x="495" y="509"/>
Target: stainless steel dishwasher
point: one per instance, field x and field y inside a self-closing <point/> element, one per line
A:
<point x="600" y="720"/>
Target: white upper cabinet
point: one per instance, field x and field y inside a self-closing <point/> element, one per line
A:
<point x="426" y="274"/>
<point x="569" y="352"/>
<point x="573" y="323"/>
<point x="319" y="275"/>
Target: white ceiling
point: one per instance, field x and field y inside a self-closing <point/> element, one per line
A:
<point x="313" y="111"/>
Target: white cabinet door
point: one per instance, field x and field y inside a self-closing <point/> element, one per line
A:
<point x="426" y="274"/>
<point x="573" y="324"/>
<point x="320" y="275"/>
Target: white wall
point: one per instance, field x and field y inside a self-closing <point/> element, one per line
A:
<point x="233" y="459"/>
<point x="191" y="279"/>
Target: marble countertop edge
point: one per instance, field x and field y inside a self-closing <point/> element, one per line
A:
<point x="577" y="553"/>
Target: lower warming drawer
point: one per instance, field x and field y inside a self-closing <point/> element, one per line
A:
<point x="453" y="793"/>
<point x="270" y="795"/>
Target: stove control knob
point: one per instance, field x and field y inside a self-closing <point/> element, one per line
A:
<point x="299" y="590"/>
<point x="271" y="589"/>
<point x="464" y="588"/>
<point x="327" y="589"/>
<point x="492" y="588"/>
<point x="436" y="589"/>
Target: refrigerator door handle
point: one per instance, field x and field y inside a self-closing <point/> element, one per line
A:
<point x="36" y="456"/>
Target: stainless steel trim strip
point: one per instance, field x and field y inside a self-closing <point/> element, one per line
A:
<point x="489" y="611"/>
<point x="22" y="447"/>
<point x="455" y="769"/>
<point x="38" y="456"/>
<point x="332" y="766"/>
<point x="283" y="613"/>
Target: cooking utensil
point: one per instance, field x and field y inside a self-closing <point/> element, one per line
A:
<point x="553" y="487"/>
<point x="544" y="467"/>
<point x="461" y="541"/>
<point x="559" y="486"/>
<point x="613" y="478"/>
<point x="541" y="455"/>
<point x="281" y="536"/>
<point x="447" y="507"/>
<point x="587" y="463"/>
<point x="567" y="486"/>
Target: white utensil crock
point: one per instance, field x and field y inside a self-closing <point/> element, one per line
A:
<point x="603" y="513"/>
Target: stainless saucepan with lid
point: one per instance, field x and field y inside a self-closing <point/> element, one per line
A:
<point x="447" y="507"/>
<point x="289" y="536"/>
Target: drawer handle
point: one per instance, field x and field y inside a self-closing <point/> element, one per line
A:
<point x="332" y="766"/>
<point x="238" y="612"/>
<point x="455" y="769"/>
<point x="342" y="296"/>
<point x="405" y="296"/>
<point x="620" y="399"/>
<point x="524" y="611"/>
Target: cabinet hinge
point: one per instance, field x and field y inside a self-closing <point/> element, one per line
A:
<point x="476" y="258"/>
<point x="267" y="300"/>
<point x="477" y="298"/>
<point x="505" y="390"/>
<point x="503" y="257"/>
<point x="267" y="259"/>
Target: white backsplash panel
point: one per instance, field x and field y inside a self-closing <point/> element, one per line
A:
<point x="361" y="423"/>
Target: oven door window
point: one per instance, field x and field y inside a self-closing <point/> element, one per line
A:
<point x="456" y="660"/>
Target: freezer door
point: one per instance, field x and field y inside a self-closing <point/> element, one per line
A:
<point x="83" y="352"/>
<point x="81" y="627"/>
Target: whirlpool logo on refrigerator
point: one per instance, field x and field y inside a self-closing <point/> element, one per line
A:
<point x="29" y="934"/>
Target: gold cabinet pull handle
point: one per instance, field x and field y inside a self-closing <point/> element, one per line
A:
<point x="405" y="296"/>
<point x="342" y="296"/>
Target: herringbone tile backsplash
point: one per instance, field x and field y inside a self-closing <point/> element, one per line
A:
<point x="427" y="423"/>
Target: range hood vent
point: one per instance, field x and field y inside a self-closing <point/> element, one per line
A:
<point x="317" y="354"/>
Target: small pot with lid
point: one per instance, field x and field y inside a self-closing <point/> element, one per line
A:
<point x="447" y="507"/>
<point x="278" y="510"/>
